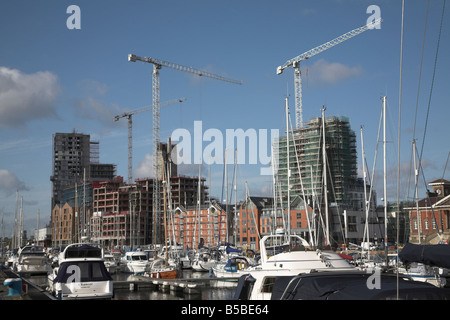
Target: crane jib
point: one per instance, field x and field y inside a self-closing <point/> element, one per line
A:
<point x="308" y="54"/>
<point x="163" y="63"/>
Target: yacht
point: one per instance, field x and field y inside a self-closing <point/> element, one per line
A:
<point x="161" y="270"/>
<point x="32" y="260"/>
<point x="426" y="263"/>
<point x="285" y="255"/>
<point x="234" y="267"/>
<point x="176" y="255"/>
<point x="135" y="262"/>
<point x="110" y="263"/>
<point x="81" y="274"/>
<point x="204" y="261"/>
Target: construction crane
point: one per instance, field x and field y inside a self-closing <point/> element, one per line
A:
<point x="129" y="115"/>
<point x="295" y="63"/>
<point x="157" y="65"/>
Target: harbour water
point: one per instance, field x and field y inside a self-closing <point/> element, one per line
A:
<point x="222" y="291"/>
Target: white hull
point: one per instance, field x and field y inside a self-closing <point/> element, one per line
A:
<point x="135" y="262"/>
<point x="288" y="263"/>
<point x="81" y="274"/>
<point x="203" y="266"/>
<point x="33" y="265"/>
<point x="134" y="268"/>
<point x="82" y="290"/>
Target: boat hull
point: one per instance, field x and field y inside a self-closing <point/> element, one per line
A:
<point x="164" y="274"/>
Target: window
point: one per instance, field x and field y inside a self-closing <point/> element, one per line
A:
<point x="268" y="284"/>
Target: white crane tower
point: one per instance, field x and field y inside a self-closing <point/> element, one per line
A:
<point x="129" y="115"/>
<point x="295" y="63"/>
<point x="158" y="64"/>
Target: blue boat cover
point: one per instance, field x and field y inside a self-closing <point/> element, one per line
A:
<point x="354" y="286"/>
<point x="231" y="249"/>
<point x="82" y="271"/>
<point x="83" y="251"/>
<point x="437" y="255"/>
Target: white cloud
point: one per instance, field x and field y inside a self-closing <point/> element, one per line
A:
<point x="145" y="168"/>
<point x="92" y="108"/>
<point x="92" y="104"/>
<point x="324" y="72"/>
<point x="25" y="97"/>
<point x="9" y="182"/>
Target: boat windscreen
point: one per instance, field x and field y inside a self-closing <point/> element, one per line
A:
<point x="82" y="271"/>
<point x="84" y="251"/>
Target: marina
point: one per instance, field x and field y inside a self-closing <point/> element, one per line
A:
<point x="193" y="286"/>
<point x="309" y="221"/>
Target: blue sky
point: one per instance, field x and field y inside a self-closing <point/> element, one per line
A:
<point x="53" y="79"/>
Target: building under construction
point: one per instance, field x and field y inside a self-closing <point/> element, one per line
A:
<point x="123" y="213"/>
<point x="306" y="159"/>
<point x="75" y="158"/>
<point x="306" y="154"/>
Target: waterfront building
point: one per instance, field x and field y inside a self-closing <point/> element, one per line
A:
<point x="197" y="226"/>
<point x="122" y="213"/>
<point x="430" y="216"/>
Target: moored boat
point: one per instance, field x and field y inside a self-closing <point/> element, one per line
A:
<point x="110" y="263"/>
<point x="135" y="262"/>
<point x="161" y="270"/>
<point x="287" y="256"/>
<point x="81" y="274"/>
<point x="32" y="260"/>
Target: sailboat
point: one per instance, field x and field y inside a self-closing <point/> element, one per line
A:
<point x="160" y="266"/>
<point x="287" y="254"/>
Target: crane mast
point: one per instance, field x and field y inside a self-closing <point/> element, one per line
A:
<point x="295" y="63"/>
<point x="157" y="65"/>
<point x="129" y="115"/>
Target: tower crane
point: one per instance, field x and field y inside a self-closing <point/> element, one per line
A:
<point x="295" y="63"/>
<point x="157" y="65"/>
<point x="129" y="115"/>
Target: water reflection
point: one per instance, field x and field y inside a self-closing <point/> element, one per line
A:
<point x="222" y="291"/>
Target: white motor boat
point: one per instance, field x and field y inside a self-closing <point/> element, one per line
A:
<point x="135" y="262"/>
<point x="32" y="260"/>
<point x="286" y="256"/>
<point x="110" y="263"/>
<point x="81" y="274"/>
<point x="11" y="256"/>
<point x="204" y="261"/>
<point x="234" y="267"/>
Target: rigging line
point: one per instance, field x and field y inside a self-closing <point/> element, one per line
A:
<point x="418" y="91"/>
<point x="398" y="156"/>
<point x="432" y="81"/>
<point x="301" y="181"/>
<point x="420" y="70"/>
<point x="445" y="168"/>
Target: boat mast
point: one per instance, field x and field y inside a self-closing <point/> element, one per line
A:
<point x="366" y="203"/>
<point x="288" y="171"/>
<point x="384" y="174"/>
<point x="416" y="174"/>
<point x="235" y="198"/>
<point x="325" y="187"/>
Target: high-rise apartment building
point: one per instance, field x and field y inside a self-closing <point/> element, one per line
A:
<point x="75" y="158"/>
<point x="306" y="160"/>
